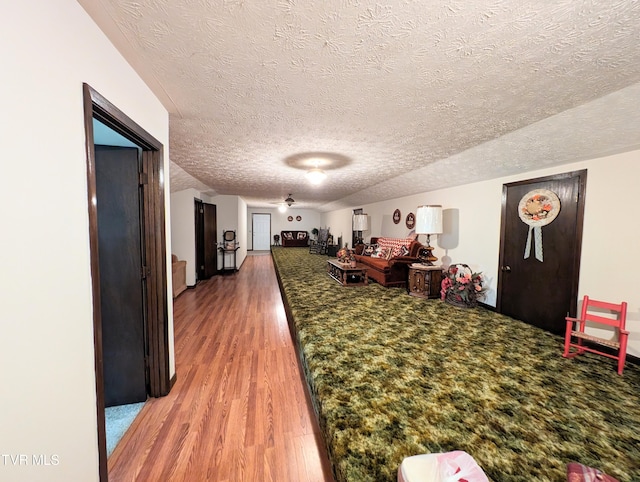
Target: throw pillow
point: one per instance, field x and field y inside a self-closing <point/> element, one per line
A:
<point x="369" y="249"/>
<point x="287" y="235"/>
<point x="302" y="235"/>
<point x="382" y="252"/>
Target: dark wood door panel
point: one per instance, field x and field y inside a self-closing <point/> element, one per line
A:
<point x="121" y="284"/>
<point x="210" y="240"/>
<point x="542" y="292"/>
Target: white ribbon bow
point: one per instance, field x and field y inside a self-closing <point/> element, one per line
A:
<point x="537" y="234"/>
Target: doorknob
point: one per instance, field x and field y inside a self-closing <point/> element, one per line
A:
<point x="506" y="269"/>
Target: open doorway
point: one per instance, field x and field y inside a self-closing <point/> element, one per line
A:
<point x="146" y="180"/>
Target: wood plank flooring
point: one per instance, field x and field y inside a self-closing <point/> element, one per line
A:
<point x="239" y="410"/>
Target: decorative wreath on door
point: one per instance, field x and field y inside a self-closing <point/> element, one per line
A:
<point x="537" y="208"/>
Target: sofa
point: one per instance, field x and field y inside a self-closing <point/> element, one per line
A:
<point x="388" y="259"/>
<point x="179" y="275"/>
<point x="294" y="238"/>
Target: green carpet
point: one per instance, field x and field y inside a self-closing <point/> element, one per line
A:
<point x="392" y="376"/>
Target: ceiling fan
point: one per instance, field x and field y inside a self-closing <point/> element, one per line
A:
<point x="289" y="200"/>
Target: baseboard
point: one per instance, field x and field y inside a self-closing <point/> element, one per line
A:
<point x="172" y="381"/>
<point x="630" y="358"/>
<point x="486" y="306"/>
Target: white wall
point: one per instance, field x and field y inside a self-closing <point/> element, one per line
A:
<point x="310" y="219"/>
<point x="227" y="209"/>
<point x="183" y="230"/>
<point x="610" y="258"/>
<point x="231" y="214"/>
<point x="48" y="402"/>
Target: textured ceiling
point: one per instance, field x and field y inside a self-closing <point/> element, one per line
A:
<point x="402" y="96"/>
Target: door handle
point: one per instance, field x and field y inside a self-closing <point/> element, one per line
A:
<point x="506" y="269"/>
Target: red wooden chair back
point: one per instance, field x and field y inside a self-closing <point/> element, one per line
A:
<point x="592" y="311"/>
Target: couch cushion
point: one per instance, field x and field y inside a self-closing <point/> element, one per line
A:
<point x="378" y="264"/>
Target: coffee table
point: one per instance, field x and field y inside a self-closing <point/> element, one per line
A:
<point x="344" y="274"/>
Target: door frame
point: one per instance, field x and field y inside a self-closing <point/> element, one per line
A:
<point x="154" y="241"/>
<point x="582" y="187"/>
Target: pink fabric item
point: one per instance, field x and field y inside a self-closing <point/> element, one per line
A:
<point x="459" y="466"/>
<point x="581" y="473"/>
<point x="456" y="466"/>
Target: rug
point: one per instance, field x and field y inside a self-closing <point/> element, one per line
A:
<point x="117" y="420"/>
<point x="393" y="376"/>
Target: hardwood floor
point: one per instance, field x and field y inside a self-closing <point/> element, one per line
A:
<point x="239" y="410"/>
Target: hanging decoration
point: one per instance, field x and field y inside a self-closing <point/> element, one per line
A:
<point x="410" y="221"/>
<point x="537" y="208"/>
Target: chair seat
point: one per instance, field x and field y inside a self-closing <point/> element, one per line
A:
<point x="602" y="341"/>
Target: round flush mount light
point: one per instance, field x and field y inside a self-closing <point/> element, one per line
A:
<point x="316" y="176"/>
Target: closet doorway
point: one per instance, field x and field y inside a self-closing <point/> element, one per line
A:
<point x="151" y="251"/>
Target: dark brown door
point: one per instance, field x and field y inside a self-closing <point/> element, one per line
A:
<point x="199" y="223"/>
<point x="210" y="241"/>
<point x="539" y="285"/>
<point x="206" y="238"/>
<point x="121" y="274"/>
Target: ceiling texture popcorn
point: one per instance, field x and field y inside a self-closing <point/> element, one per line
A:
<point x="402" y="96"/>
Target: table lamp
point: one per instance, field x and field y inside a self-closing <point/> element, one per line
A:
<point x="428" y="221"/>
<point x="360" y="224"/>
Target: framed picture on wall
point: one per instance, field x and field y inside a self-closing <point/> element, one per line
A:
<point x="397" y="215"/>
<point x="410" y="221"/>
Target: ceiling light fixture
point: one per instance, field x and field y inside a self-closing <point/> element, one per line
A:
<point x="316" y="176"/>
<point x="289" y="200"/>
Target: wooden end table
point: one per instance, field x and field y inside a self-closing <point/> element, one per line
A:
<point x="344" y="274"/>
<point x="424" y="281"/>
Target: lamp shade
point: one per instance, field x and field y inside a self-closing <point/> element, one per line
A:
<point x="360" y="222"/>
<point x="429" y="219"/>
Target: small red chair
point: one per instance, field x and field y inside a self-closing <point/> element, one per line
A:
<point x="588" y="315"/>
